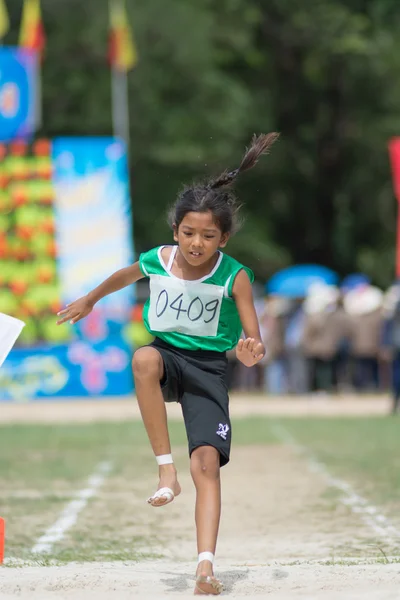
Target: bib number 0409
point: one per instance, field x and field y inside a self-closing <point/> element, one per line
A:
<point x="195" y="311"/>
<point x="189" y="308"/>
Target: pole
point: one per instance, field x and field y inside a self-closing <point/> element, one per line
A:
<point x="120" y="105"/>
<point x="398" y="243"/>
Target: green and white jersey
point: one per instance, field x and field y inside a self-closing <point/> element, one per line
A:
<point x="193" y="315"/>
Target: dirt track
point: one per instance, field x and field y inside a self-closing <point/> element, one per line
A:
<point x="279" y="526"/>
<point x="115" y="409"/>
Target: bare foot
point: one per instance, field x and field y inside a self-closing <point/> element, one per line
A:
<point x="168" y="479"/>
<point x="206" y="583"/>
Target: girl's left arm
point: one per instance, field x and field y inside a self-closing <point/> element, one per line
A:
<point x="250" y="350"/>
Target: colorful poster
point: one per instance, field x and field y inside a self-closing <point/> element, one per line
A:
<point x="29" y="285"/>
<point x="66" y="226"/>
<point x="93" y="215"/>
<point x="18" y="92"/>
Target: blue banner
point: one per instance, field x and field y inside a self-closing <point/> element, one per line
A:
<point x="79" y="369"/>
<point x="18" y="92"/>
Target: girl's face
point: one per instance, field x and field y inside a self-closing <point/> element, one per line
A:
<point x="199" y="237"/>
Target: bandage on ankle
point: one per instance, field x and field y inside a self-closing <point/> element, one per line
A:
<point x="206" y="556"/>
<point x="164" y="459"/>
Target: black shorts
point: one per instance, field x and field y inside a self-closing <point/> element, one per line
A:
<point x="198" y="381"/>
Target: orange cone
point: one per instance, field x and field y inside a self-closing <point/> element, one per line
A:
<point x="2" y="539"/>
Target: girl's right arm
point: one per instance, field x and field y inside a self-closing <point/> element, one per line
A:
<point x="80" y="308"/>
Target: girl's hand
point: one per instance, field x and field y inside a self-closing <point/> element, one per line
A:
<point x="250" y="351"/>
<point x="75" y="311"/>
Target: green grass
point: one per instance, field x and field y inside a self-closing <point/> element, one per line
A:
<point x="42" y="466"/>
<point x="365" y="452"/>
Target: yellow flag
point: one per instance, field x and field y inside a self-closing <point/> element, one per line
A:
<point x="32" y="35"/>
<point x="122" y="50"/>
<point x="4" y="20"/>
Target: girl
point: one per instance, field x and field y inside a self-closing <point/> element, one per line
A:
<point x="200" y="301"/>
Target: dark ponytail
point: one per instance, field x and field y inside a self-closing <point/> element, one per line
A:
<point x="259" y="145"/>
<point x="216" y="195"/>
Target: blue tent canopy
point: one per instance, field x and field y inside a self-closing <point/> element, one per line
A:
<point x="294" y="282"/>
<point x="354" y="280"/>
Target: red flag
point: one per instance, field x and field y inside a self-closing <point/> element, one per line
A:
<point x="394" y="152"/>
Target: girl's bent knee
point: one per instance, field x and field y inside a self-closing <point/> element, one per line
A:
<point x="146" y="362"/>
<point x="205" y="461"/>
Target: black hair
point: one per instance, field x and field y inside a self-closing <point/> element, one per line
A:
<point x="216" y="195"/>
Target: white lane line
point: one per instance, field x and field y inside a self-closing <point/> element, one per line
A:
<point x="359" y="505"/>
<point x="70" y="513"/>
<point x="328" y="561"/>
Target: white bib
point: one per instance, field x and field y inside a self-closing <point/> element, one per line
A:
<point x="187" y="307"/>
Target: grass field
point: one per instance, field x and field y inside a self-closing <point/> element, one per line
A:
<point x="42" y="466"/>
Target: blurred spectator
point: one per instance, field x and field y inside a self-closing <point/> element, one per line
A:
<point x="324" y="330"/>
<point x="297" y="366"/>
<point x="239" y="376"/>
<point x="364" y="308"/>
<point x="342" y="374"/>
<point x="272" y="325"/>
<point x="391" y="341"/>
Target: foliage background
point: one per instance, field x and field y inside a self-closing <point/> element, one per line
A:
<point x="325" y="73"/>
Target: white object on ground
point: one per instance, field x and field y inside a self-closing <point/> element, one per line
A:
<point x="10" y="328"/>
<point x="70" y="514"/>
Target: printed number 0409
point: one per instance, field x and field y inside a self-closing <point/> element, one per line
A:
<point x="194" y="311"/>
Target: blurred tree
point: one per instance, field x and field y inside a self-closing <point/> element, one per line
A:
<point x="323" y="72"/>
<point x="328" y="69"/>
